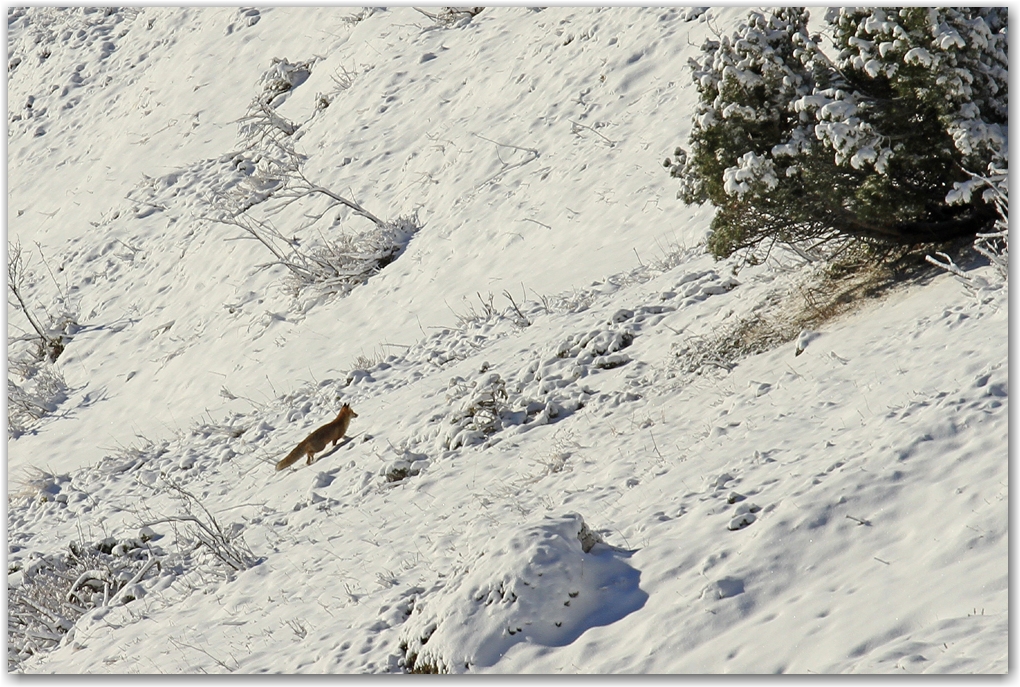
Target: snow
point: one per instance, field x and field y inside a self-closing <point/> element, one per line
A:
<point x="750" y="168"/>
<point x="919" y="56"/>
<point x="537" y="480"/>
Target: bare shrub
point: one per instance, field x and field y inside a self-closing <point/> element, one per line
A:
<point x="282" y="76"/>
<point x="724" y="348"/>
<point x="334" y="263"/>
<point x="995" y="247"/>
<point x="50" y="343"/>
<point x="35" y="386"/>
<point x="472" y="315"/>
<point x="196" y="527"/>
<point x="449" y="16"/>
<point x="54" y="591"/>
<point x="41" y="390"/>
<point x="992" y="245"/>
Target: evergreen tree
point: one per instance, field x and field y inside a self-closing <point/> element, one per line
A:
<point x="876" y="144"/>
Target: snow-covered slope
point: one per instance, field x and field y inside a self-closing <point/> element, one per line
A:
<point x="535" y="481"/>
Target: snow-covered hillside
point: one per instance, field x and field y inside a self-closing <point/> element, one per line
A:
<point x="560" y="463"/>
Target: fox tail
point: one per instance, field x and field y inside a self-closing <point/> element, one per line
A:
<point x="292" y="457"/>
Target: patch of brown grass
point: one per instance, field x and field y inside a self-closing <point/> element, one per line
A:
<point x="841" y="288"/>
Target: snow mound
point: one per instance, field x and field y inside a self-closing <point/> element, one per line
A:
<point x="545" y="585"/>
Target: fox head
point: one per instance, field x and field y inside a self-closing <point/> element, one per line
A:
<point x="345" y="410"/>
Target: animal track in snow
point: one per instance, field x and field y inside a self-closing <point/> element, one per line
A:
<point x="247" y="16"/>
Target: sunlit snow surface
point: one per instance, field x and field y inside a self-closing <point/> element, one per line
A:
<point x="840" y="510"/>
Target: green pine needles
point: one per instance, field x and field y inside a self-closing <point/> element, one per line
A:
<point x="880" y="143"/>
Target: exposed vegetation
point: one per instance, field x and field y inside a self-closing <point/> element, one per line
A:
<point x="873" y="145"/>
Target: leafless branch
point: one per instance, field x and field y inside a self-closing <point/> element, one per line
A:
<point x="522" y="319"/>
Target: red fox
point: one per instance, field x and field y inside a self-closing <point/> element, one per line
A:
<point x="317" y="440"/>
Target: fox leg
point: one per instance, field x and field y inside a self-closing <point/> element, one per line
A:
<point x="311" y="454"/>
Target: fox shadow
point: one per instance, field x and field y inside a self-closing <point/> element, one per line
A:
<point x="339" y="445"/>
